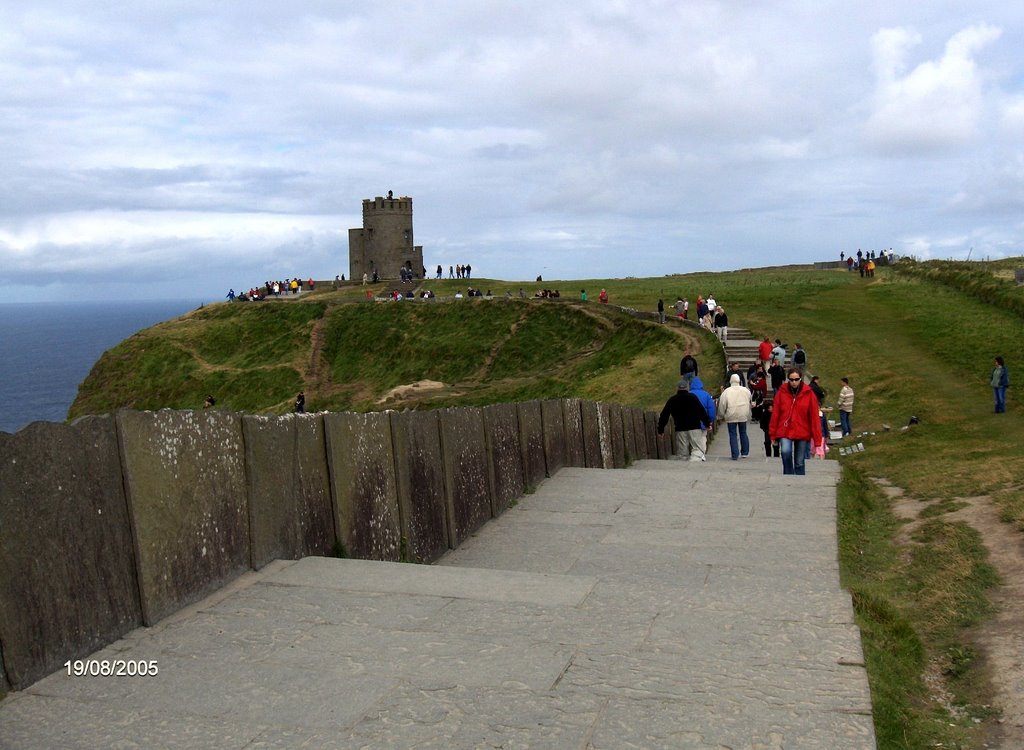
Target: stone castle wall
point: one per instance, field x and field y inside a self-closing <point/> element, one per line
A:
<point x="115" y="522"/>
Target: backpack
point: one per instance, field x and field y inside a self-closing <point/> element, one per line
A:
<point x="799" y="357"/>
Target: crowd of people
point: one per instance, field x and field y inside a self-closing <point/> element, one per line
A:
<point x="272" y="289"/>
<point x="787" y="403"/>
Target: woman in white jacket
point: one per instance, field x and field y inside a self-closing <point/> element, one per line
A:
<point x="734" y="410"/>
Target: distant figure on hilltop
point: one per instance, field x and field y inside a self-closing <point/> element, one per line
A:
<point x="603" y="297"/>
<point x="300" y="403"/>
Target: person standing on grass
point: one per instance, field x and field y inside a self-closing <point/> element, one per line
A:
<point x="795" y="422"/>
<point x="1000" y="381"/>
<point x="734" y="410"/>
<point x="845" y="406"/>
<point x="688" y="414"/>
<point x="661" y="311"/>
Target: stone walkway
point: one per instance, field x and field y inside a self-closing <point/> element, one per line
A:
<point x="669" y="605"/>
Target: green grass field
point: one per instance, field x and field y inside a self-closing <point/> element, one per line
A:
<point x="916" y="340"/>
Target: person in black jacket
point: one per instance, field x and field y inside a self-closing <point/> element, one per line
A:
<point x="688" y="415"/>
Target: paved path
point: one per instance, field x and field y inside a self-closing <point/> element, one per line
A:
<point x="669" y="605"/>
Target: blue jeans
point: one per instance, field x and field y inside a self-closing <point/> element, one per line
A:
<point x="793" y="455"/>
<point x="741" y="444"/>
<point x="1000" y="394"/>
<point x="844" y="421"/>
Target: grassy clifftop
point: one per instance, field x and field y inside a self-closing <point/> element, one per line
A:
<point x="362" y="356"/>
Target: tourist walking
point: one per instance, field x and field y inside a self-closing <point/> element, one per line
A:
<point x="688" y="366"/>
<point x="687" y="415"/>
<point x="794" y="422"/>
<point x="706" y="400"/>
<point x="1000" y="381"/>
<point x="764" y="353"/>
<point x="845" y="406"/>
<point x="800" y="358"/>
<point x="722" y="324"/>
<point x="661" y="311"/>
<point x="300" y="403"/>
<point x="734" y="410"/>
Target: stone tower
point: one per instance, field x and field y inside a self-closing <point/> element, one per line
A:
<point x="384" y="243"/>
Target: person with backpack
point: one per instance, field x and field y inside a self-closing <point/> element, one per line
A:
<point x="799" y="358"/>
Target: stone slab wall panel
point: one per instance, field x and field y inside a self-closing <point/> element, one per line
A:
<point x="360" y="456"/>
<point x="419" y="473"/>
<point x="640" y="434"/>
<point x="290" y="512"/>
<point x="628" y="441"/>
<point x="68" y="583"/>
<point x="465" y="472"/>
<point x="531" y="438"/>
<point x="574" y="448"/>
<point x="591" y="417"/>
<point x="553" y="420"/>
<point x="617" y="436"/>
<point x="651" y="435"/>
<point x="185" y="478"/>
<point x="505" y="457"/>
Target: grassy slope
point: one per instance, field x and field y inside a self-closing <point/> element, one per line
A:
<point x="255" y="357"/>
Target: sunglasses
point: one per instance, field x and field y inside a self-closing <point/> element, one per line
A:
<point x="794" y="380"/>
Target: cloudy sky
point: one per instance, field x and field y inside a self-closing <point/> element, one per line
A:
<point x="175" y="149"/>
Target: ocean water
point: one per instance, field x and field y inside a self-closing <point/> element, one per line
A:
<point x="47" y="349"/>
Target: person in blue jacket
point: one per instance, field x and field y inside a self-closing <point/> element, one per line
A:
<point x="706" y="400"/>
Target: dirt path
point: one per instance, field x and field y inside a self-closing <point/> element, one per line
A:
<point x="1001" y="638"/>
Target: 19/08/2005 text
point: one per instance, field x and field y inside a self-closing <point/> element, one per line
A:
<point x="111" y="668"/>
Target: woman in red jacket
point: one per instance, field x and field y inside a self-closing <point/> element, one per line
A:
<point x="795" y="422"/>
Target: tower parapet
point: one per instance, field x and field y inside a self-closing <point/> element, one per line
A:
<point x="385" y="241"/>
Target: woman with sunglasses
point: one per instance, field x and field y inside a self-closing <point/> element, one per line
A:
<point x="795" y="422"/>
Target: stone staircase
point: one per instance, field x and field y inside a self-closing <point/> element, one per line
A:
<point x="741" y="347"/>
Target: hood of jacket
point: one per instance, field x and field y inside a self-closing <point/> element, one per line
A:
<point x="696" y="384"/>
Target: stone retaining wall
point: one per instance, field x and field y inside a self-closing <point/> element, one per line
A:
<point x="110" y="523"/>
